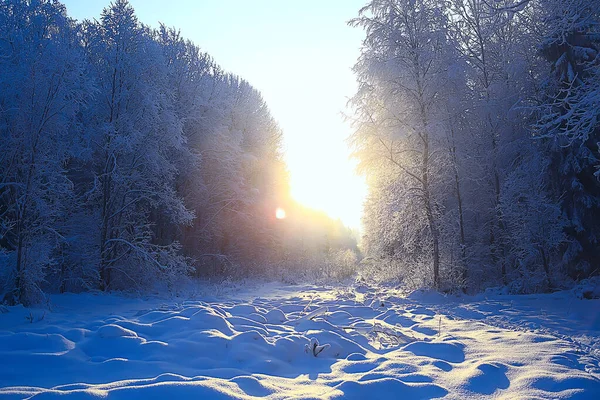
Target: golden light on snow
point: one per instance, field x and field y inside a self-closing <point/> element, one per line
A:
<point x="280" y="213"/>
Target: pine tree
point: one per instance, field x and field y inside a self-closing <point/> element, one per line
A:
<point x="568" y="118"/>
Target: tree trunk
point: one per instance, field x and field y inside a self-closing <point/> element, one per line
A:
<point x="429" y="209"/>
<point x="463" y="244"/>
<point x="104" y="271"/>
<point x="461" y="220"/>
<point x="546" y="265"/>
<point x="436" y="244"/>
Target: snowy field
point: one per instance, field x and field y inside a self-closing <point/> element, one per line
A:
<point x="281" y="342"/>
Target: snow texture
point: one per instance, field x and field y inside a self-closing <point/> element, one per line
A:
<point x="282" y="342"/>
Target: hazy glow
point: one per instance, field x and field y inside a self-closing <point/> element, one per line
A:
<point x="280" y="213"/>
<point x="328" y="183"/>
<point x="299" y="55"/>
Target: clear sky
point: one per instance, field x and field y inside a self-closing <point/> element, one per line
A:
<point x="299" y="54"/>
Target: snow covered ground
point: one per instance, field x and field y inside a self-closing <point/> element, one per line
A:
<point x="261" y="341"/>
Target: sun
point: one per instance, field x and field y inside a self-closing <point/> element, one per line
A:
<point x="280" y="213"/>
<point x="329" y="183"/>
<point x="323" y="176"/>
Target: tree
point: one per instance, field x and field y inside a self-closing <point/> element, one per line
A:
<point x="446" y="143"/>
<point x="401" y="79"/>
<point x="41" y="91"/>
<point x="568" y="118"/>
<point x="135" y="137"/>
<point x="121" y="142"/>
<point x="534" y="221"/>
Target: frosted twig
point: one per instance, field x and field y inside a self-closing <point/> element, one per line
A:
<point x="313" y="314"/>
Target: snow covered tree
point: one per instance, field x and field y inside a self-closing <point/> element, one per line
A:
<point x="465" y="116"/>
<point x="232" y="174"/>
<point x="534" y="223"/>
<point x="134" y="137"/>
<point x="122" y="142"/>
<point x="486" y="39"/>
<point x="241" y="170"/>
<point x="401" y="74"/>
<point x="41" y="91"/>
<point x="568" y="116"/>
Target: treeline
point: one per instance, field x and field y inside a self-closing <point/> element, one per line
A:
<point x="128" y="157"/>
<point x="315" y="247"/>
<point x="477" y="127"/>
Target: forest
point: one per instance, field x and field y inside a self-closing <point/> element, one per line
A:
<point x="130" y="159"/>
<point x="477" y="128"/>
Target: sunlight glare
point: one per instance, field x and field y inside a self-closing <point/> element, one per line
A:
<point x="280" y="213"/>
<point x="327" y="181"/>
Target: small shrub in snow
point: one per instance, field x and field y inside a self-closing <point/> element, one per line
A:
<point x="314" y="347"/>
<point x="31" y="317"/>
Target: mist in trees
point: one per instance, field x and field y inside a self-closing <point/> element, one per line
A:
<point x="477" y="127"/>
<point x="130" y="158"/>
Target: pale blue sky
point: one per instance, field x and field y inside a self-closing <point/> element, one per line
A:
<point x="299" y="54"/>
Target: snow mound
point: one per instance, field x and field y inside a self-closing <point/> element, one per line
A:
<point x="112" y="331"/>
<point x="308" y="343"/>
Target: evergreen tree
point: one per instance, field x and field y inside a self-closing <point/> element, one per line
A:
<point x="568" y="117"/>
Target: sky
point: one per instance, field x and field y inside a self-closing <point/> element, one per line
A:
<point x="299" y="55"/>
